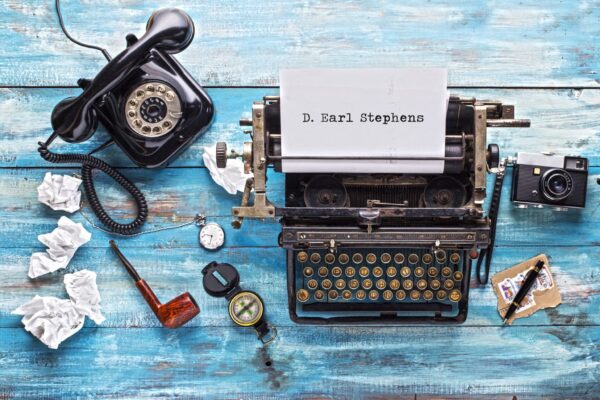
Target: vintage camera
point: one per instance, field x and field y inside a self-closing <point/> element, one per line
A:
<point x="549" y="180"/>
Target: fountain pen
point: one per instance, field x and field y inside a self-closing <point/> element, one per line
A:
<point x="523" y="290"/>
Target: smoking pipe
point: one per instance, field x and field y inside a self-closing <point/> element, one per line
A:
<point x="173" y="314"/>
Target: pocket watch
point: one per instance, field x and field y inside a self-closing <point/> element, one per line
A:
<point x="211" y="235"/>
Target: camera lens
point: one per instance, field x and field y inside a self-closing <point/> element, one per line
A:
<point x="556" y="184"/>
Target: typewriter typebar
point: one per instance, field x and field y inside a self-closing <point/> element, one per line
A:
<point x="378" y="248"/>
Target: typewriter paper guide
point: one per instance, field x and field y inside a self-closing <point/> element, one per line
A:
<point x="363" y="113"/>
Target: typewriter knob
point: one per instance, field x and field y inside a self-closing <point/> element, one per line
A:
<point x="221" y="153"/>
<point x="493" y="156"/>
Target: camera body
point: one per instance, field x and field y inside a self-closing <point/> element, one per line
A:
<point x="550" y="180"/>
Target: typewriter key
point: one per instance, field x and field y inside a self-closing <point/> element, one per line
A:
<point x="367" y="284"/>
<point x="333" y="294"/>
<point x="413" y="258"/>
<point x="394" y="284"/>
<point x="329" y="258"/>
<point x="323" y="271"/>
<point x="363" y="271"/>
<point x="353" y="284"/>
<point x="343" y="258"/>
<point x="377" y="272"/>
<point x="399" y="258"/>
<point x="373" y="294"/>
<point x="350" y="271"/>
<point x="458" y="276"/>
<point x="340" y="284"/>
<point x="419" y="272"/>
<point x="326" y="284"/>
<point x="415" y="295"/>
<point x="427" y="258"/>
<point x="405" y="272"/>
<point x="380" y="284"/>
<point x="312" y="284"/>
<point x="432" y="271"/>
<point x="386" y="258"/>
<point x="371" y="258"/>
<point x="346" y="295"/>
<point x="455" y="295"/>
<point x="336" y="271"/>
<point x="440" y="256"/>
<point x="448" y="284"/>
<point x="446" y="271"/>
<point x="361" y="294"/>
<point x="407" y="284"/>
<point x="391" y="271"/>
<point x="315" y="258"/>
<point x="441" y="295"/>
<point x="435" y="284"/>
<point x="319" y="295"/>
<point x="400" y="295"/>
<point x="308" y="271"/>
<point x="455" y="258"/>
<point x="421" y="284"/>
<point x="387" y="295"/>
<point x="302" y="256"/>
<point x="302" y="295"/>
<point x="428" y="295"/>
<point x="357" y="258"/>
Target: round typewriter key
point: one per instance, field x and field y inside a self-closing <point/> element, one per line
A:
<point x="371" y="258"/>
<point x="458" y="276"/>
<point x="407" y="284"/>
<point x="333" y="294"/>
<point x="361" y="294"/>
<point x="419" y="272"/>
<point x="308" y="271"/>
<point x="421" y="284"/>
<point x="340" y="284"/>
<point x="413" y="258"/>
<point x="302" y="256"/>
<point x="415" y="295"/>
<point x="455" y="295"/>
<point x="326" y="284"/>
<point x="394" y="284"/>
<point x="343" y="258"/>
<point x="386" y="258"/>
<point x="350" y="271"/>
<point x="399" y="258"/>
<point x="363" y="271"/>
<point x="380" y="284"/>
<point x="387" y="295"/>
<point x="441" y="295"/>
<point x="319" y="295"/>
<point x="435" y="284"/>
<point x="336" y="271"/>
<point x="432" y="271"/>
<point x="440" y="256"/>
<point x="377" y="272"/>
<point x="302" y="295"/>
<point x="346" y="295"/>
<point x="353" y="284"/>
<point x="312" y="284"/>
<point x="455" y="258"/>
<point x="448" y="284"/>
<point x="446" y="271"/>
<point x="428" y="295"/>
<point x="329" y="258"/>
<point x="323" y="271"/>
<point x="373" y="294"/>
<point x="391" y="271"/>
<point x="400" y="295"/>
<point x="315" y="258"/>
<point x="427" y="258"/>
<point x="367" y="284"/>
<point x="357" y="258"/>
<point x="405" y="272"/>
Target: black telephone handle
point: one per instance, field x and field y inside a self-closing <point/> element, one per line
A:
<point x="169" y="30"/>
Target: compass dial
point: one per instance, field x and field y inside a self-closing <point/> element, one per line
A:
<point x="246" y="309"/>
<point x="211" y="236"/>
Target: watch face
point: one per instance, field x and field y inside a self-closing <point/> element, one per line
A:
<point x="211" y="236"/>
<point x="246" y="308"/>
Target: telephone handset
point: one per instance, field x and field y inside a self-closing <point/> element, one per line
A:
<point x="149" y="104"/>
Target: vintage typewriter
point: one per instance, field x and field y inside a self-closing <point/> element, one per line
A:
<point x="378" y="248"/>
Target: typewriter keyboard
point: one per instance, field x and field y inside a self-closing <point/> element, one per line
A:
<point x="359" y="281"/>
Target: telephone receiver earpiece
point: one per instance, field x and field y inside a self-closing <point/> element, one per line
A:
<point x="169" y="30"/>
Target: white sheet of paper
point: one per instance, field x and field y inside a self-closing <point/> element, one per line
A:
<point x="306" y="95"/>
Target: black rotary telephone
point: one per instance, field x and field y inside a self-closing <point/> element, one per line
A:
<point x="150" y="105"/>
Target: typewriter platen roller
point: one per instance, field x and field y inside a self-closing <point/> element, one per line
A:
<point x="378" y="248"/>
